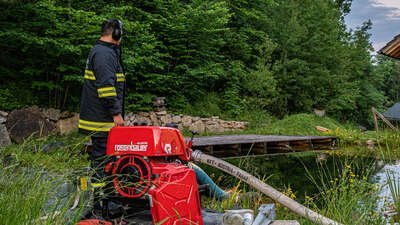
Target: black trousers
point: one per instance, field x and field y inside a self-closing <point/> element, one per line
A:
<point x="98" y="159"/>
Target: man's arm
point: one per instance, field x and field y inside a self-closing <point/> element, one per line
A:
<point x="104" y="66"/>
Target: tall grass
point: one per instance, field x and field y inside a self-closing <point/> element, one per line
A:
<point x="24" y="195"/>
<point x="29" y="176"/>
<point x="348" y="198"/>
<point x="344" y="193"/>
<point x="394" y="187"/>
<point x="30" y="181"/>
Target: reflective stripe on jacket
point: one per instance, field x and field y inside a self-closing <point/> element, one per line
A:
<point x="103" y="88"/>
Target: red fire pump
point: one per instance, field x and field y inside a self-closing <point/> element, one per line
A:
<point x="151" y="162"/>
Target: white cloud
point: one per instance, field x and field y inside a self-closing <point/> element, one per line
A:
<point x="388" y="3"/>
<point x="385" y="17"/>
<point x="394" y="5"/>
<point x="378" y="45"/>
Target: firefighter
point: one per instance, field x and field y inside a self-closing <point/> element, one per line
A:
<point x="102" y="100"/>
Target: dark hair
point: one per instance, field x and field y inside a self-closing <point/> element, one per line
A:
<point x="109" y="26"/>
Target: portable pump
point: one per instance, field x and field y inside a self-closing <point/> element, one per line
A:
<point x="149" y="163"/>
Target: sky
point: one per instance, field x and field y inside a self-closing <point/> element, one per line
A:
<point x="385" y="17"/>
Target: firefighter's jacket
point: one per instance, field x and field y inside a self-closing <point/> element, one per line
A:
<point x="103" y="89"/>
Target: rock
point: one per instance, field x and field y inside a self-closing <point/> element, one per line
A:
<point x="66" y="114"/>
<point x="198" y="126"/>
<point x="213" y="128"/>
<point x="2" y="120"/>
<point x="4" y="136"/>
<point x="240" y="125"/>
<point x="226" y="124"/>
<point x="319" y="112"/>
<point x="143" y="114"/>
<point x="142" y="123"/>
<point x="362" y="128"/>
<point x="161" y="113"/>
<point x="176" y="119"/>
<point x="3" y="114"/>
<point x="186" y="121"/>
<point x="196" y="118"/>
<point x="211" y="123"/>
<point x="173" y="125"/>
<point x="25" y="122"/>
<point x="322" y="157"/>
<point x="154" y="119"/>
<point x="370" y="144"/>
<point x="129" y="123"/>
<point x="34" y="108"/>
<point x="211" y="217"/>
<point x="165" y="119"/>
<point x="130" y="119"/>
<point x="142" y="120"/>
<point x="65" y="126"/>
<point x="159" y="104"/>
<point x="52" y="114"/>
<point x="129" y="114"/>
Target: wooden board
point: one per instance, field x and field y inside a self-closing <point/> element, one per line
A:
<point x="242" y="145"/>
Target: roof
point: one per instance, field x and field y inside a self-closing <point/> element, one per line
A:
<point x="392" y="49"/>
<point x="393" y="113"/>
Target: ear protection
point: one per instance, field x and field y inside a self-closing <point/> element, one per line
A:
<point x="117" y="32"/>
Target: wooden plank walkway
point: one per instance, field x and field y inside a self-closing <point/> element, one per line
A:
<point x="242" y="145"/>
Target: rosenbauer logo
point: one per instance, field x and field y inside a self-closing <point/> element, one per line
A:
<point x="138" y="147"/>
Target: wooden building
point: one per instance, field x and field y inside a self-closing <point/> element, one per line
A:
<point x="392" y="49"/>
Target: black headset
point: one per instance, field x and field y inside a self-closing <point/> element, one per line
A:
<point x="117" y="32"/>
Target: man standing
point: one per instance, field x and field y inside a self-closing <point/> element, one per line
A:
<point x="102" y="100"/>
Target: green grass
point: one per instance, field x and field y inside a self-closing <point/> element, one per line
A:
<point x="394" y="187"/>
<point x="299" y="124"/>
<point x="348" y="198"/>
<point x="344" y="193"/>
<point x="29" y="178"/>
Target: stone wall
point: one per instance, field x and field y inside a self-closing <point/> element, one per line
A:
<point x="20" y="124"/>
<point x="201" y="125"/>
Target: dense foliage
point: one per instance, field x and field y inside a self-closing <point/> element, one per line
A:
<point x="225" y="57"/>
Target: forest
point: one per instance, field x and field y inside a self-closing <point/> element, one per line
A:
<point x="219" y="57"/>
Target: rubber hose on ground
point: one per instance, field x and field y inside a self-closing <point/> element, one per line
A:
<point x="263" y="187"/>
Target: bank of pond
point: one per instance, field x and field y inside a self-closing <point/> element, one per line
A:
<point x="353" y="184"/>
<point x="350" y="188"/>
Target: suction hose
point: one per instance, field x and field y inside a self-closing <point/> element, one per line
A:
<point x="289" y="203"/>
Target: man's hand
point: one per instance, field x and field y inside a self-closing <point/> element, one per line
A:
<point x="118" y="120"/>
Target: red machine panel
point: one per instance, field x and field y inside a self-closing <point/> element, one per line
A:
<point x="175" y="198"/>
<point x="144" y="163"/>
<point x="147" y="141"/>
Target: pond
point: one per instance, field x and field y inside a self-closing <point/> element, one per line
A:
<point x="388" y="180"/>
<point x="307" y="174"/>
<point x="302" y="172"/>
